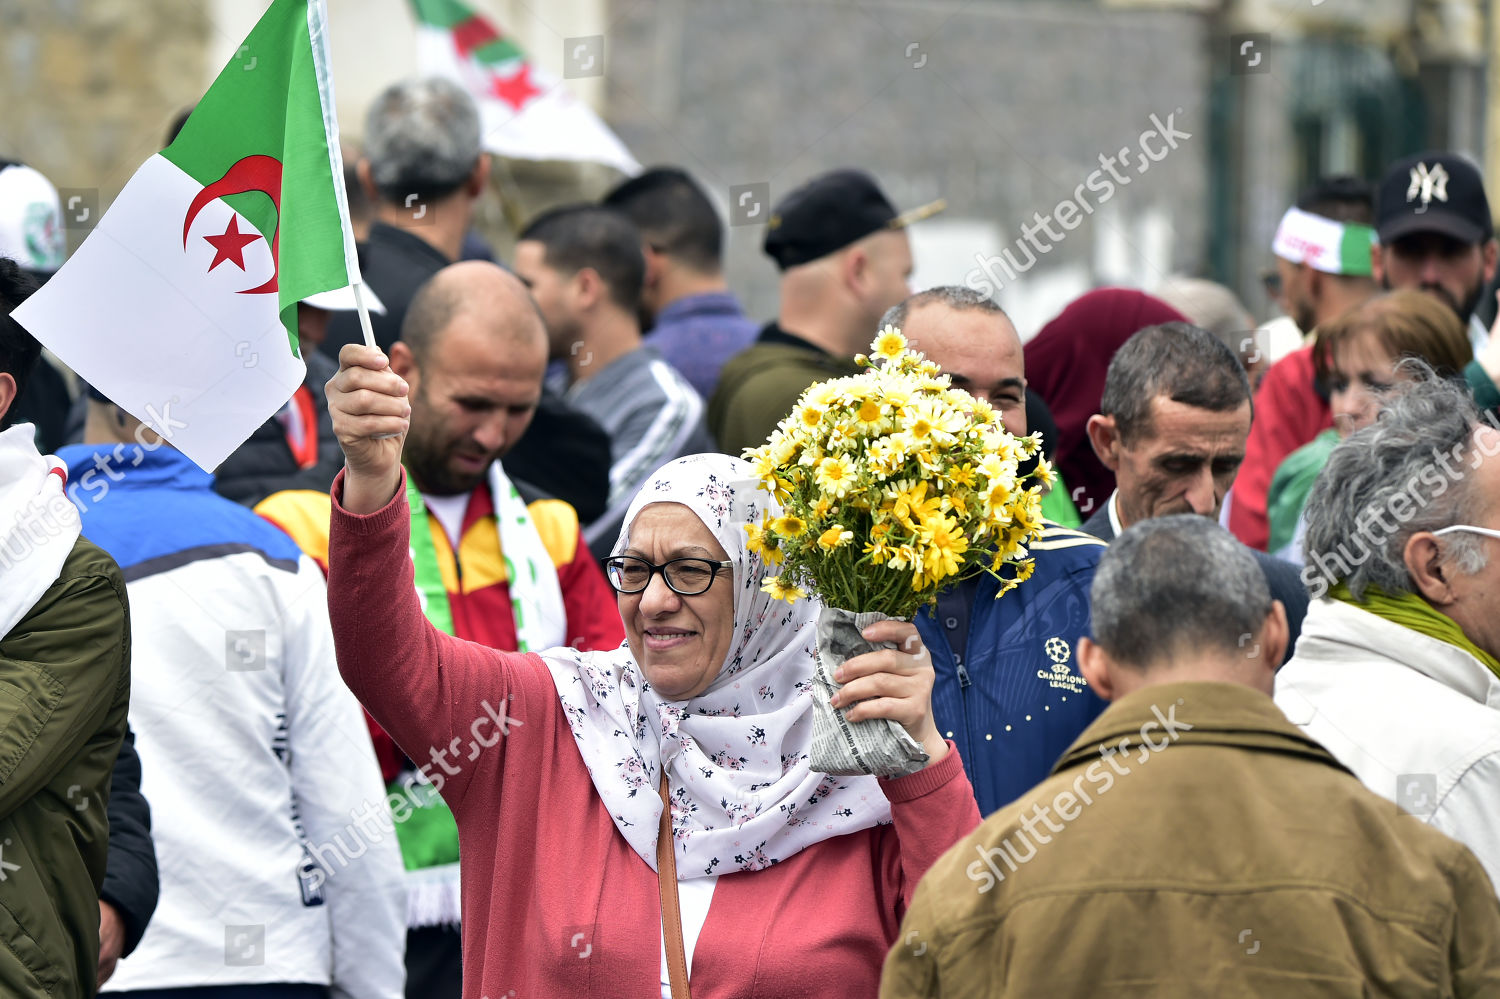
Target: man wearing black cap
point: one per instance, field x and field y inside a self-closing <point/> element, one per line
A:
<point x="1436" y="234"/>
<point x="844" y="259"/>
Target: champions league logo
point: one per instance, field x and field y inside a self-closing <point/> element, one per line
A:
<point x="1060" y="676"/>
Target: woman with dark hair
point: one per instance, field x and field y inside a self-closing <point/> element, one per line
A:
<point x="1357" y="357"/>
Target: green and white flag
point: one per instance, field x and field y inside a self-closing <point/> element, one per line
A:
<point x="525" y="112"/>
<point x="181" y="305"/>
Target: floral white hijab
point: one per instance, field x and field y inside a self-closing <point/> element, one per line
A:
<point x="743" y="797"/>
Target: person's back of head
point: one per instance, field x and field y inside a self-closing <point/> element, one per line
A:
<point x="844" y="258"/>
<point x="1340" y="197"/>
<point x="682" y="235"/>
<point x="1213" y="307"/>
<point x="19" y="350"/>
<point x="1179" y="599"/>
<point x="1324" y="251"/>
<point x="421" y="141"/>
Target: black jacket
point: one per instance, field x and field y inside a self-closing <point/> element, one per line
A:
<point x="1281" y="576"/>
<point x="395" y="263"/>
<point x="130" y="880"/>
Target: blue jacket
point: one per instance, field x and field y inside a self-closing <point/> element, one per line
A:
<point x="165" y="512"/>
<point x="1008" y="690"/>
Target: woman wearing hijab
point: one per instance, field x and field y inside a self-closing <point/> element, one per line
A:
<point x="1065" y="365"/>
<point x="788" y="882"/>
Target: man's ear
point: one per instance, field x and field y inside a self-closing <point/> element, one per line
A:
<point x="1424" y="563"/>
<point x="1094" y="664"/>
<point x="8" y="392"/>
<point x="1489" y="251"/>
<point x="1315" y="280"/>
<point x="1274" y="635"/>
<point x="656" y="265"/>
<point x="587" y="289"/>
<point x="1377" y="263"/>
<point x="1104" y="435"/>
<point x="479" y="177"/>
<point x="366" y="180"/>
<point x="854" y="268"/>
<point x="404" y="363"/>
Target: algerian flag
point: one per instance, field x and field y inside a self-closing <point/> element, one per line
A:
<point x="181" y="306"/>
<point x="526" y="113"/>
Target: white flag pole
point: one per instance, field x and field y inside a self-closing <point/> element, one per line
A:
<point x="364" y="313"/>
<point x="317" y="28"/>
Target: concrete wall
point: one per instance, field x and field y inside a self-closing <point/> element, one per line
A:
<point x="1002" y="108"/>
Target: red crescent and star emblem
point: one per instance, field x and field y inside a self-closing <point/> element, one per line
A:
<point x="253" y="173"/>
<point x="517" y="88"/>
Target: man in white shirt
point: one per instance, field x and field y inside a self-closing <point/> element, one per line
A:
<point x="1396" y="671"/>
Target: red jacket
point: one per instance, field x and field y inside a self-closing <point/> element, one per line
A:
<point x="555" y="902"/>
<point x="478" y="590"/>
<point x="1288" y="413"/>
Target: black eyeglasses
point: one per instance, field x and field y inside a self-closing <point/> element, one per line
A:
<point x="686" y="577"/>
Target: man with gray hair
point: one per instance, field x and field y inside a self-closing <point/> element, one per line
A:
<point x="1172" y="427"/>
<point x="424" y="170"/>
<point x="1192" y="835"/>
<point x="1398" y="669"/>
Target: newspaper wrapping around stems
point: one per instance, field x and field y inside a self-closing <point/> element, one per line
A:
<point x="841" y="748"/>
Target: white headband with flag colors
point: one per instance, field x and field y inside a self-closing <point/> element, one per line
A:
<point x="1323" y="244"/>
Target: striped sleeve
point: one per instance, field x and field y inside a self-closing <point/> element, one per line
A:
<point x="659" y="437"/>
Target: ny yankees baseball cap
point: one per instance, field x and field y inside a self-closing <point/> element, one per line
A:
<point x="1433" y="192"/>
<point x="831" y="211"/>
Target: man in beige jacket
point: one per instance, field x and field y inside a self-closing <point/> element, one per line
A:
<point x="1192" y="841"/>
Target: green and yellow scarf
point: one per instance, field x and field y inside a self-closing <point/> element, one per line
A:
<point x="1411" y="611"/>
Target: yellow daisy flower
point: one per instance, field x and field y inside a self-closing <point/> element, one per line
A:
<point x="836" y="475"/>
<point x="834" y="537"/>
<point x="1044" y="473"/>
<point x="961" y="475"/>
<point x="869" y="416"/>
<point x="944" y="545"/>
<point x="789" y="526"/>
<point x="779" y="589"/>
<point x="889" y="344"/>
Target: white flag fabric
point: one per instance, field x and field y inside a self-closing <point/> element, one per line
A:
<point x="181" y="305"/>
<point x="525" y="112"/>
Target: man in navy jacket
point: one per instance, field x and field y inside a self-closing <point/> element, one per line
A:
<point x="1008" y="690"/>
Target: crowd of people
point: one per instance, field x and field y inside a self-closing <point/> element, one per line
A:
<point x="1238" y="733"/>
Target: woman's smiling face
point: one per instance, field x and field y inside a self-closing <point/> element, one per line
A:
<point x="679" y="642"/>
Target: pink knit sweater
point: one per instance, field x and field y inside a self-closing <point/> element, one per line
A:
<point x="555" y="902"/>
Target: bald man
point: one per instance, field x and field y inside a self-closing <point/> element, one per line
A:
<point x="473" y="350"/>
<point x="1008" y="690"/>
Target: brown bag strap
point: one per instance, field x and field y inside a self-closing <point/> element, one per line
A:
<point x="671" y="915"/>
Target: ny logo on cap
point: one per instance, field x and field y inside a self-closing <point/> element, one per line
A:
<point x="1427" y="184"/>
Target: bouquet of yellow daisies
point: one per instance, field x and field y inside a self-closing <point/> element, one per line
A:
<point x="892" y="484"/>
